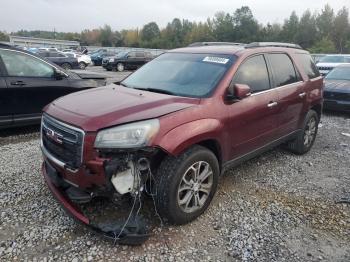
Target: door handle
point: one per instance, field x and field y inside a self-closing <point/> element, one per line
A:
<point x="18" y="83"/>
<point x="272" y="104"/>
<point x="301" y="95"/>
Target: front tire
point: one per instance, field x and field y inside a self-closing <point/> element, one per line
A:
<point x="66" y="66"/>
<point x="185" y="185"/>
<point x="82" y="65"/>
<point x="306" y="138"/>
<point x="120" y="67"/>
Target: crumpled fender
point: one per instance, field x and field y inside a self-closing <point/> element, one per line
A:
<point x="183" y="136"/>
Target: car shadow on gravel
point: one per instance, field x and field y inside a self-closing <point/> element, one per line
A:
<point x="19" y="134"/>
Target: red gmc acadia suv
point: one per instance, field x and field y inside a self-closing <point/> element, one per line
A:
<point x="173" y="126"/>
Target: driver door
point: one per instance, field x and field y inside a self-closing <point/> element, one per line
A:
<point x="253" y="120"/>
<point x="31" y="84"/>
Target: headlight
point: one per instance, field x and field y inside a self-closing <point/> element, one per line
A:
<point x="128" y="136"/>
<point x="111" y="60"/>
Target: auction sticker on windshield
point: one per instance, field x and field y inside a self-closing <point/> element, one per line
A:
<point x="213" y="59"/>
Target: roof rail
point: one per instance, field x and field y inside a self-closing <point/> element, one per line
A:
<point x="272" y="44"/>
<point x="214" y="43"/>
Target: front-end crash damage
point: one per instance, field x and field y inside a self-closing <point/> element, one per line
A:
<point x="127" y="174"/>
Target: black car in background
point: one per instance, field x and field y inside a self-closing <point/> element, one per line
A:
<point x="127" y="60"/>
<point x="60" y="59"/>
<point x="96" y="57"/>
<point x="28" y="82"/>
<point x="337" y="89"/>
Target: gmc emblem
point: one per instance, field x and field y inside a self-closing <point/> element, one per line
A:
<point x="54" y="136"/>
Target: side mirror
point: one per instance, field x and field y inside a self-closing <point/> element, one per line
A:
<point x="59" y="75"/>
<point x="237" y="92"/>
<point x="242" y="91"/>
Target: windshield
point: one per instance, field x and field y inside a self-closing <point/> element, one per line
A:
<point x="332" y="59"/>
<point x="339" y="73"/>
<point x="182" y="74"/>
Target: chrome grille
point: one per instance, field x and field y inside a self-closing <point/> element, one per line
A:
<point x="62" y="141"/>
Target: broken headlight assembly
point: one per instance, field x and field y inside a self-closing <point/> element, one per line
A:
<point x="132" y="135"/>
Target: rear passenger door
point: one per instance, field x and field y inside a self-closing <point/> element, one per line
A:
<point x="132" y="61"/>
<point x="253" y="120"/>
<point x="290" y="87"/>
<point x="141" y="59"/>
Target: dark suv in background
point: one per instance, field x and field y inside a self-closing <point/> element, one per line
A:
<point x="127" y="60"/>
<point x="173" y="126"/>
<point x="28" y="82"/>
<point x="99" y="55"/>
<point x="60" y="59"/>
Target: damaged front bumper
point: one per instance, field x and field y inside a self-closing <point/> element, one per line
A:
<point x="133" y="232"/>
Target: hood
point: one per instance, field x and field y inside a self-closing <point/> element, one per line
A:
<point x="98" y="108"/>
<point x="337" y="85"/>
<point x="321" y="64"/>
<point x="89" y="75"/>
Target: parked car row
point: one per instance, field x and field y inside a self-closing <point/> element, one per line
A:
<point x="328" y="62"/>
<point x="30" y="81"/>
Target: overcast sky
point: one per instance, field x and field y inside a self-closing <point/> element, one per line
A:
<point x="76" y="15"/>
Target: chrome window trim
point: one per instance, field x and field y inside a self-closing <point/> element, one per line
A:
<point x="35" y="57"/>
<point x="275" y="88"/>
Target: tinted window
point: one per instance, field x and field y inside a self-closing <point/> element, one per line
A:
<point x="192" y="75"/>
<point x="20" y="64"/>
<point x="44" y="54"/>
<point x="308" y="65"/>
<point x="283" y="69"/>
<point x="253" y="72"/>
<point x="140" y="54"/>
<point x="132" y="54"/>
<point x="56" y="54"/>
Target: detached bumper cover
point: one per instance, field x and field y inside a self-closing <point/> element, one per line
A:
<point x="110" y="231"/>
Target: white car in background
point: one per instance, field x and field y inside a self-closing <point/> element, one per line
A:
<point x="328" y="62"/>
<point x="83" y="60"/>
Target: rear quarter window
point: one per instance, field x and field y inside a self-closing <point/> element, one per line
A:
<point x="308" y="65"/>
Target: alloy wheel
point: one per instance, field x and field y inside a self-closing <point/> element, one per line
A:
<point x="195" y="187"/>
<point x="310" y="132"/>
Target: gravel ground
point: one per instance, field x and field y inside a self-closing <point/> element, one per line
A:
<point x="276" y="207"/>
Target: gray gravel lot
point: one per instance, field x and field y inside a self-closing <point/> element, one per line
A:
<point x="277" y="207"/>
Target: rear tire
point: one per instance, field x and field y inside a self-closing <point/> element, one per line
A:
<point x="185" y="185"/>
<point x="66" y="66"/>
<point x="120" y="67"/>
<point x="306" y="138"/>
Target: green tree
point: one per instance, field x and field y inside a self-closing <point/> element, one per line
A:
<point x="324" y="46"/>
<point x="245" y="26"/>
<point x="150" y="31"/>
<point x="341" y="29"/>
<point x="306" y="35"/>
<point x="290" y="28"/>
<point x="271" y="32"/>
<point x="325" y="21"/>
<point x="4" y="37"/>
<point x="106" y="36"/>
<point x="222" y="24"/>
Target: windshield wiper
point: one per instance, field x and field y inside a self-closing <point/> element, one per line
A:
<point x="155" y="90"/>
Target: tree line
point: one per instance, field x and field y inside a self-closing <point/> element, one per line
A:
<point x="326" y="31"/>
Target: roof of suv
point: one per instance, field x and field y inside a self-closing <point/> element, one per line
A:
<point x="231" y="49"/>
